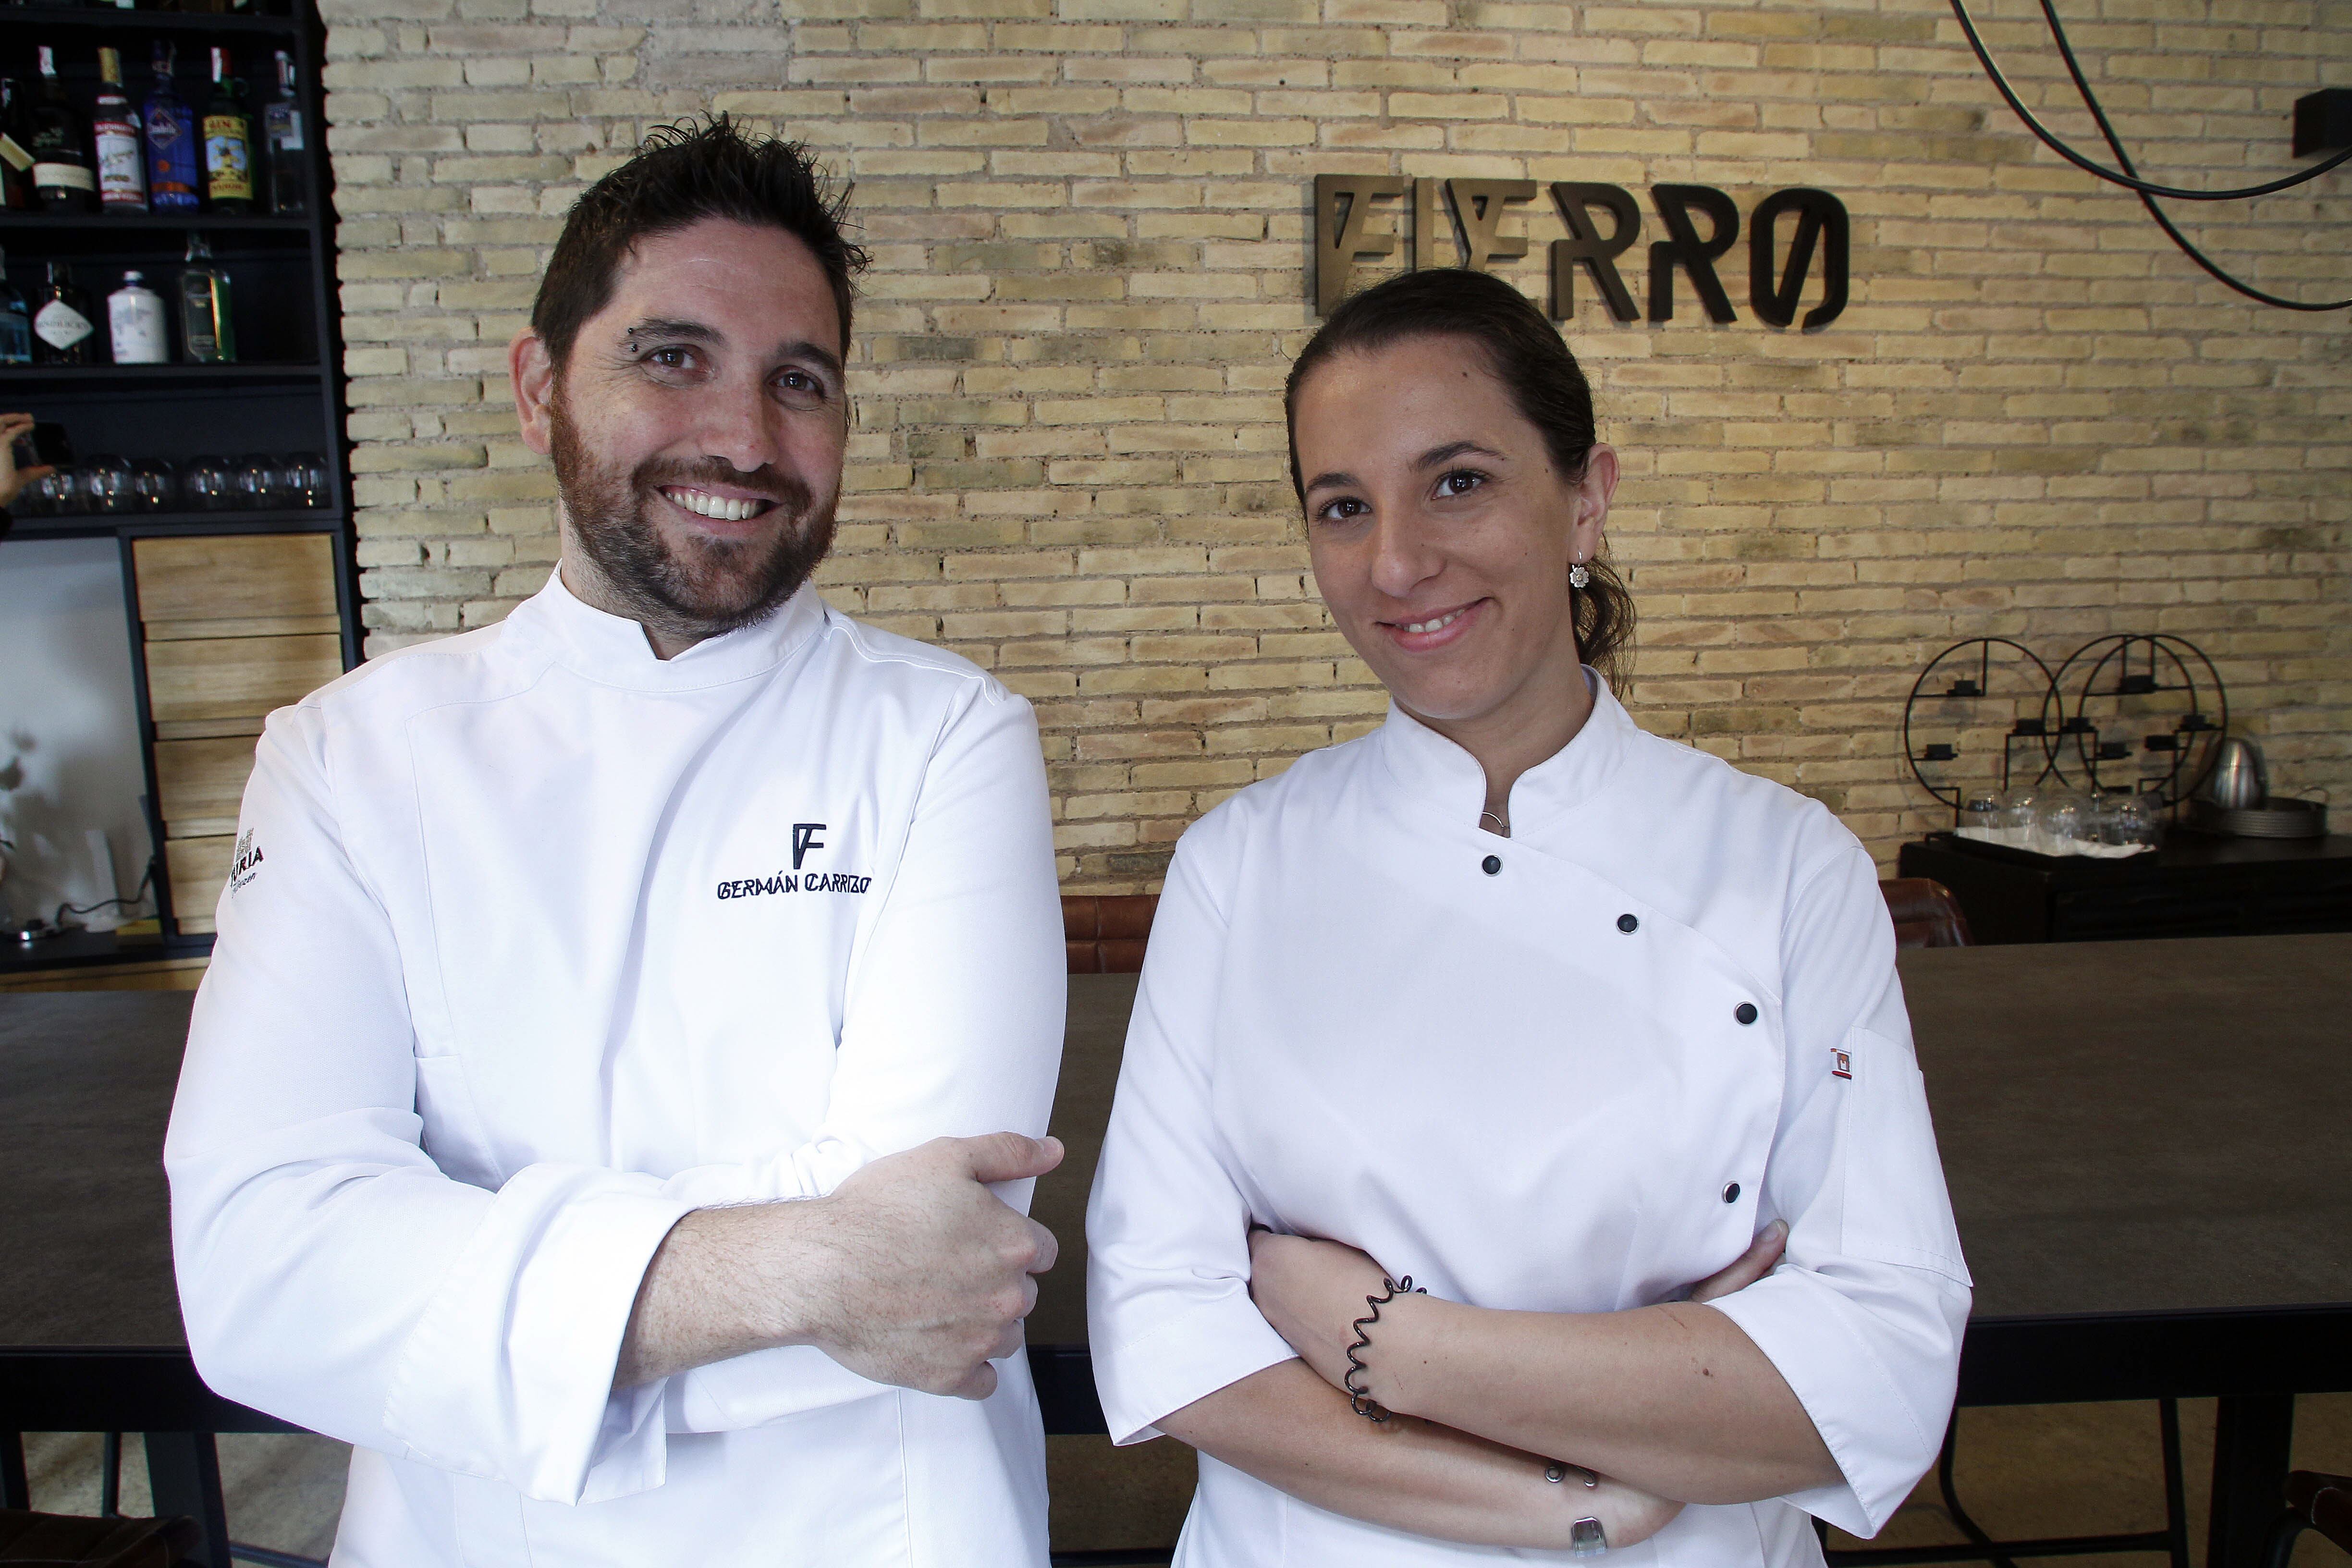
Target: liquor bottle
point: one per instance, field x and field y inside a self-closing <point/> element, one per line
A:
<point x="63" y="333"/>
<point x="283" y="148"/>
<point x="114" y="127"/>
<point x="228" y="144"/>
<point x="134" y="315"/>
<point x="16" y="158"/>
<point x="206" y="331"/>
<point x="61" y="164"/>
<point x="15" y="322"/>
<point x="172" y="161"/>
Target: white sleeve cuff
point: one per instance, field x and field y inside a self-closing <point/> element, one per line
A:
<point x="508" y="1373"/>
<point x="1188" y="1353"/>
<point x="764" y="1387"/>
<point x="1873" y="1358"/>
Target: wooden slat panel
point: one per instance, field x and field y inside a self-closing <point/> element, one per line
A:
<point x="199" y="868"/>
<point x="201" y="782"/>
<point x="162" y="974"/>
<point x="251" y="626"/>
<point x="206" y="729"/>
<point x="227" y="678"/>
<point x="228" y="576"/>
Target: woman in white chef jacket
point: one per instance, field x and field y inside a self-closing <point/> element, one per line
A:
<point x="1596" y="1038"/>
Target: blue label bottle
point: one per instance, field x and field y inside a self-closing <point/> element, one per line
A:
<point x="172" y="137"/>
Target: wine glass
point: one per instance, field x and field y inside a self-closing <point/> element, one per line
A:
<point x="306" y="476"/>
<point x="2017" y="812"/>
<point x="2128" y="819"/>
<point x="58" y="493"/>
<point x="207" y="482"/>
<point x="254" y="482"/>
<point x="154" y="488"/>
<point x="106" y="480"/>
<point x="2058" y="821"/>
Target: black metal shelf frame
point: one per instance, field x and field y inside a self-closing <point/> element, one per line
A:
<point x="153" y="24"/>
<point x="193" y="377"/>
<point x="143" y="525"/>
<point x="309" y="237"/>
<point x="2192" y="741"/>
<point x="103" y="223"/>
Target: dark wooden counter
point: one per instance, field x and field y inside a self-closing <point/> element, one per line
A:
<point x="2194" y="885"/>
<point x="2145" y="1126"/>
<point x="86" y="1081"/>
<point x="2127" y="1127"/>
<point x="2149" y="1147"/>
<point x="2149" y="1150"/>
<point x="89" y="1320"/>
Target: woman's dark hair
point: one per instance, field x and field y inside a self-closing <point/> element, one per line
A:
<point x="1524" y="352"/>
<point x="681" y="174"/>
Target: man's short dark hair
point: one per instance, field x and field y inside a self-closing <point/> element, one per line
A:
<point x="681" y="174"/>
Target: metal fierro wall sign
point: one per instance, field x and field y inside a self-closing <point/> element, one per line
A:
<point x="1469" y="214"/>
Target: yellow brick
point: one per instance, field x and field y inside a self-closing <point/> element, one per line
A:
<point x="1089" y="222"/>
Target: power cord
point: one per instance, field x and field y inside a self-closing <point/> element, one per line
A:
<point x="2128" y="181"/>
<point x="145" y="883"/>
<point x="2091" y="102"/>
<point x="2129" y="178"/>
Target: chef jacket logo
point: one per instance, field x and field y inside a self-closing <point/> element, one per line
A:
<point x="1841" y="1064"/>
<point x="805" y="838"/>
<point x="247" y="863"/>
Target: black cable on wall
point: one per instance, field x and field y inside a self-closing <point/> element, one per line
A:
<point x="2130" y="176"/>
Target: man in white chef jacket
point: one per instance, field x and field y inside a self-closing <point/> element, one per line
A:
<point x="620" y="1014"/>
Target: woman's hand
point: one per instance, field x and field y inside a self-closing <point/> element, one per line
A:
<point x="13" y="479"/>
<point x="1762" y="1255"/>
<point x="1290" y="1429"/>
<point x="1313" y="1292"/>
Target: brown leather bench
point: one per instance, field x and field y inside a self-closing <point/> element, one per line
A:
<point x="1925" y="914"/>
<point x="2317" y="1502"/>
<point x="1105" y="934"/>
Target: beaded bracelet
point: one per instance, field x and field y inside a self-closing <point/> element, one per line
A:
<point x="1359" y="1401"/>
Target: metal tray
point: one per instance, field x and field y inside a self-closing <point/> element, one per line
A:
<point x="2278" y="818"/>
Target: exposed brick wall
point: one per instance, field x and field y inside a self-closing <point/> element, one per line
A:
<point x="1088" y="218"/>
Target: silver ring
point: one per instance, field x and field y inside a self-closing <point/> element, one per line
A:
<point x="1558" y="1472"/>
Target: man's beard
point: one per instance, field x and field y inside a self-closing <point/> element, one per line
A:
<point x="694" y="588"/>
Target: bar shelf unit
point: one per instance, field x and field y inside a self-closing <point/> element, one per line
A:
<point x="228" y="610"/>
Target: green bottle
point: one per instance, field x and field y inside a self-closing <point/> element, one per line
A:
<point x="228" y="143"/>
<point x="206" y="330"/>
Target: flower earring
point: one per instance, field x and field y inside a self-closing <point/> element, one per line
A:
<point x="1578" y="576"/>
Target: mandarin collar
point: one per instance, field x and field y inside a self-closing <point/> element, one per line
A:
<point x="613" y="649"/>
<point x="1437" y="771"/>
